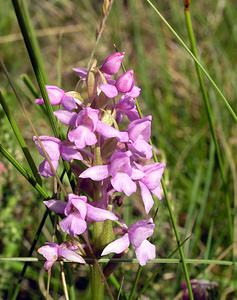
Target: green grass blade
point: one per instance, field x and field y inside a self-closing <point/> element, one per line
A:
<point x="20" y="139"/>
<point x="204" y="197"/>
<point x="209" y="112"/>
<point x="209" y="241"/>
<point x="134" y="287"/>
<point x="31" y="179"/>
<point x="226" y="102"/>
<point x="35" y="56"/>
<point x="30" y="85"/>
<point x="113" y="280"/>
<point x="191" y="261"/>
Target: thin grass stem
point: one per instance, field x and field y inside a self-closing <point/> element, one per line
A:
<point x="134" y="287"/>
<point x="183" y="44"/>
<point x="208" y="109"/>
<point x="191" y="261"/>
<point x="64" y="283"/>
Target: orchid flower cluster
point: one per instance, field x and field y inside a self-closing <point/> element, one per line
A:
<point x="107" y="146"/>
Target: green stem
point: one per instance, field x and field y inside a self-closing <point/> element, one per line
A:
<point x="20" y="139"/>
<point x="35" y="56"/>
<point x="97" y="286"/>
<point x="102" y="235"/>
<point x="182" y="43"/>
<point x="207" y="104"/>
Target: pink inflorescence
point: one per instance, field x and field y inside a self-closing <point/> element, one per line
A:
<point x="106" y="144"/>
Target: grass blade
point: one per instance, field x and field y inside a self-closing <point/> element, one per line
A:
<point x="28" y="176"/>
<point x="35" y="56"/>
<point x="208" y="108"/>
<point x="134" y="287"/>
<point x="191" y="261"/>
<point x="20" y="139"/>
<point x="29" y="84"/>
<point x="197" y="61"/>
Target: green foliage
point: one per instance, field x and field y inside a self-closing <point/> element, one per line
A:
<point x="171" y="93"/>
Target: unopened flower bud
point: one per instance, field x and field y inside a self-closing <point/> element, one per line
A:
<point x="112" y="63"/>
<point x="125" y="82"/>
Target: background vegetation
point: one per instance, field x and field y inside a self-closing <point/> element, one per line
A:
<point x="170" y="92"/>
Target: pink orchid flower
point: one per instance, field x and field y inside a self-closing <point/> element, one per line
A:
<point x="122" y="174"/>
<point x="136" y="235"/>
<point x="123" y="85"/>
<point x="77" y="213"/>
<point x="112" y="63"/>
<point x="52" y="252"/>
<point x="54" y="149"/>
<point x="57" y="96"/>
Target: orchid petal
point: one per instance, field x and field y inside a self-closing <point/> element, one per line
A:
<point x="82" y="137"/>
<point x="141" y="148"/>
<point x="96" y="173"/>
<point x="99" y="215"/>
<point x="49" y="144"/>
<point x="123" y="183"/>
<point x="70" y="152"/>
<point x="134" y="93"/>
<point x="71" y="255"/>
<point x="80" y="206"/>
<point x="140" y="128"/>
<point x="49" y="251"/>
<point x="81" y="72"/>
<point x="68" y="102"/>
<point x="158" y="191"/>
<point x="73" y="224"/>
<point x="140" y="231"/>
<point x="146" y="197"/>
<point x="112" y="63"/>
<point x="153" y="176"/>
<point x="66" y="117"/>
<point x="109" y="90"/>
<point x="45" y="168"/>
<point x="117" y="246"/>
<point x="145" y="252"/>
<point x="109" y="132"/>
<point x="56" y="205"/>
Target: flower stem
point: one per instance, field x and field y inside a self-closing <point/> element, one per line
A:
<point x="97" y="286"/>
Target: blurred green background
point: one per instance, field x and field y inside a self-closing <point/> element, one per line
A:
<point x="170" y="92"/>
